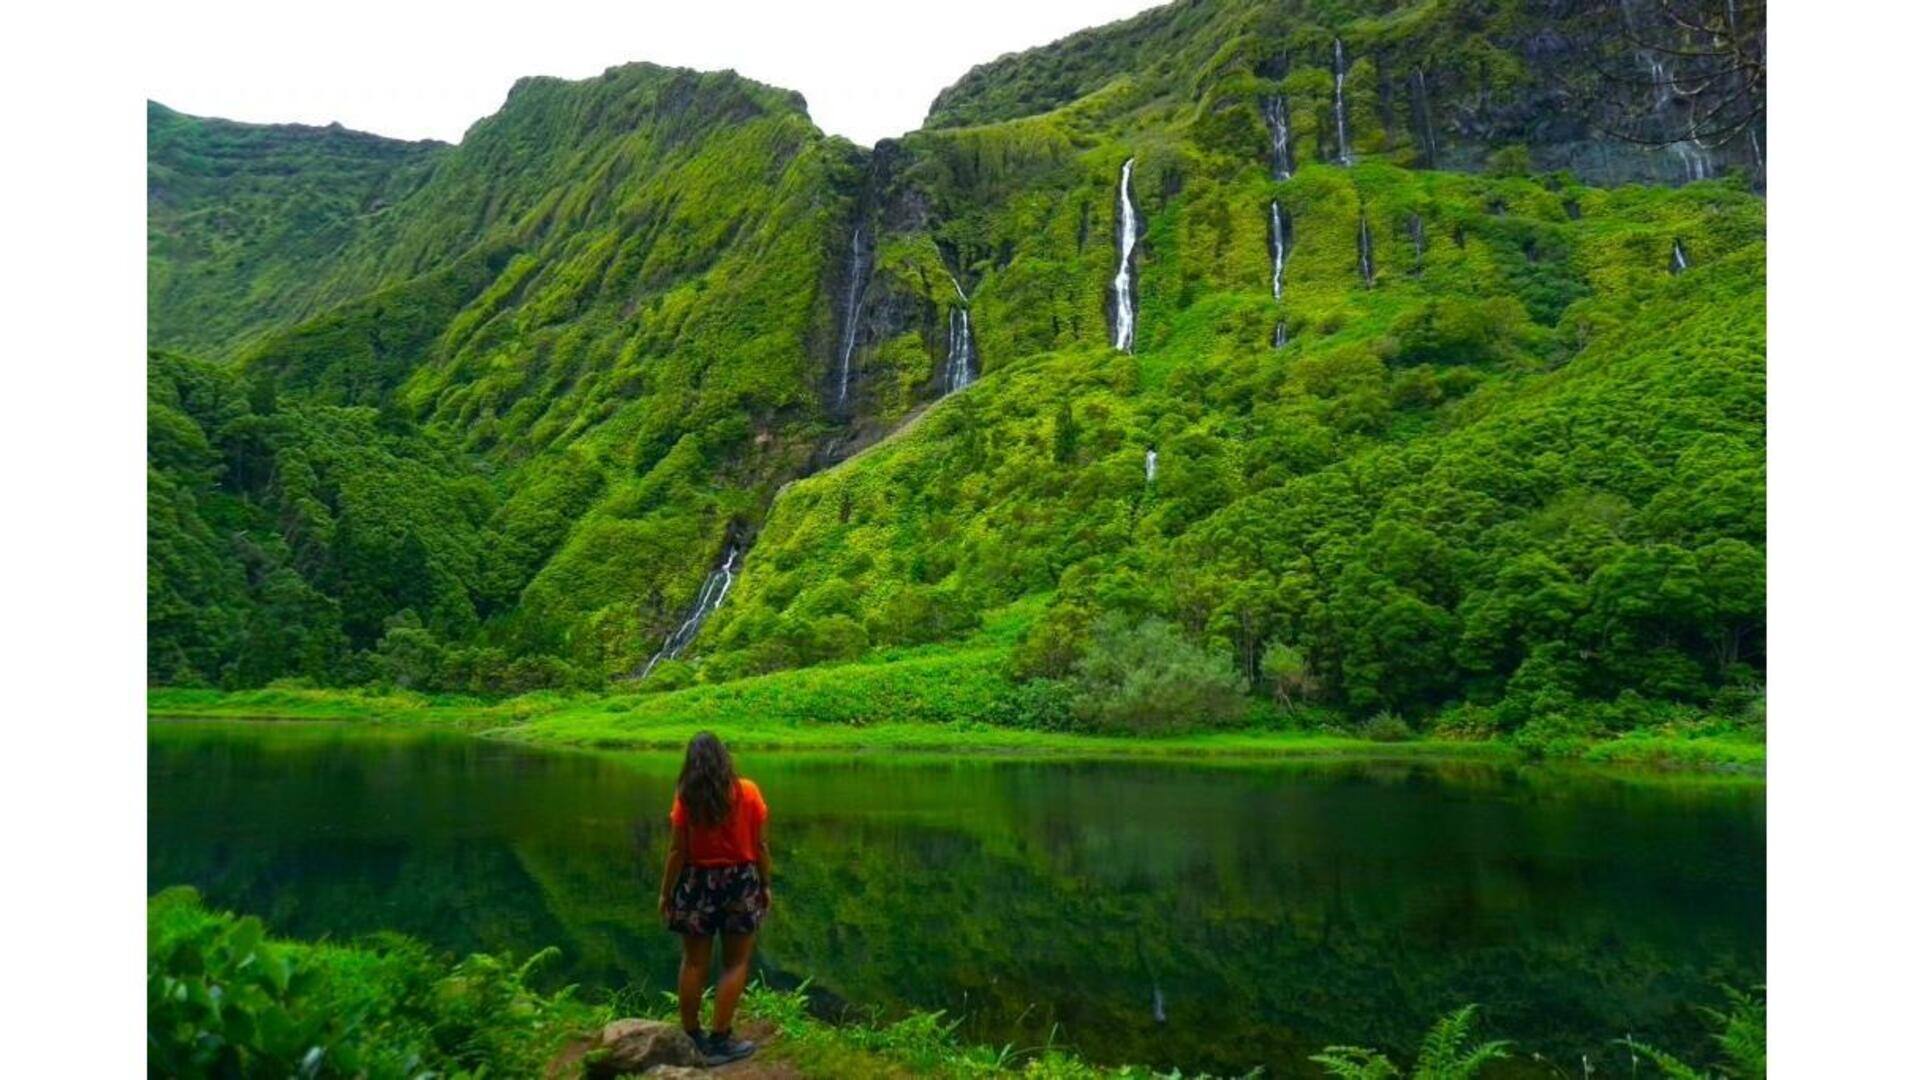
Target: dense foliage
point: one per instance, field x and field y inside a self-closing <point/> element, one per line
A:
<point x="225" y="999"/>
<point x="490" y="412"/>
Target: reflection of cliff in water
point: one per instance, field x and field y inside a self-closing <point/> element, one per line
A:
<point x="1263" y="911"/>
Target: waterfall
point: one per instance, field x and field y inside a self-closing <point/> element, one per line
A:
<point x="850" y="329"/>
<point x="1417" y="230"/>
<point x="1276" y="112"/>
<point x="1340" y="99"/>
<point x="712" y="592"/>
<point x="1679" y="261"/>
<point x="1276" y="226"/>
<point x="1123" y="278"/>
<point x="961" y="370"/>
<point x="1366" y="251"/>
<point x="1694" y="163"/>
<point x="1423" y="114"/>
<point x="1695" y="160"/>
<point x="1153" y="464"/>
<point x="1279" y="333"/>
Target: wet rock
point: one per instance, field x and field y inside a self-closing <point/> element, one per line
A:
<point x="626" y="1047"/>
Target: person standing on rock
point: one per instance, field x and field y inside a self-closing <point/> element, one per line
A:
<point x="718" y="881"/>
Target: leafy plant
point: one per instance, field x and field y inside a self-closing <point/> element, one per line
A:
<point x="1741" y="1035"/>
<point x="1446" y="1053"/>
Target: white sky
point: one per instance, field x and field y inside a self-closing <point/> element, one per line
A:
<point x="868" y="68"/>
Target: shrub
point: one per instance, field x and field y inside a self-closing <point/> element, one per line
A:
<point x="1384" y="726"/>
<point x="1557" y="734"/>
<point x="223" y="999"/>
<point x="1145" y="678"/>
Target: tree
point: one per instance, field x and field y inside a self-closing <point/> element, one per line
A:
<point x="1285" y="671"/>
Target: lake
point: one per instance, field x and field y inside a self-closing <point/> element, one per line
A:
<point x="1201" y="915"/>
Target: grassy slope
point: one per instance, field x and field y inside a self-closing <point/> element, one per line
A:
<point x="605" y="305"/>
<point x="242" y="219"/>
<point x="1442" y="489"/>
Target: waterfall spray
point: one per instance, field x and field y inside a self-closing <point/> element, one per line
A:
<point x="1678" y="262"/>
<point x="1153" y="464"/>
<point x="961" y="369"/>
<point x="1123" y="278"/>
<point x="1275" y="109"/>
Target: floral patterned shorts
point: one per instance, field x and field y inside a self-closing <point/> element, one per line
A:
<point x="717" y="899"/>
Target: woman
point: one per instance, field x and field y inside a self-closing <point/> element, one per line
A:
<point x="718" y="880"/>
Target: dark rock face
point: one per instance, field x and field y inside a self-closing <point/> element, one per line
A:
<point x="627" y="1047"/>
<point x="1614" y="91"/>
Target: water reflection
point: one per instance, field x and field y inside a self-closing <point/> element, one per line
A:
<point x="1205" y="916"/>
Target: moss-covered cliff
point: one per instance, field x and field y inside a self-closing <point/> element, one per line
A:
<point x="1439" y="409"/>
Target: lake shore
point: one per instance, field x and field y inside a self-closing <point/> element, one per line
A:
<point x="359" y="1000"/>
<point x="667" y="721"/>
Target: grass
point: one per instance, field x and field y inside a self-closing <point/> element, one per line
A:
<point x="1729" y="753"/>
<point x="858" y="708"/>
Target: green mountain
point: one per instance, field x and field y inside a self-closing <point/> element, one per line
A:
<point x="1443" y="390"/>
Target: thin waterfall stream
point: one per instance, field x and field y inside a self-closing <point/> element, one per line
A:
<point x="850" y="328"/>
<point x="1366" y="251"/>
<point x="712" y="591"/>
<point x="1129" y="235"/>
<point x="1277" y="228"/>
<point x="1340" y="100"/>
<point x="961" y="370"/>
<point x="1275" y="109"/>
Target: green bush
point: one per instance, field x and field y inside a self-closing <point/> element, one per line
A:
<point x="1384" y="726"/>
<point x="223" y="999"/>
<point x="1144" y="678"/>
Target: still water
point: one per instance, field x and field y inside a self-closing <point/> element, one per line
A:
<point x="1205" y="916"/>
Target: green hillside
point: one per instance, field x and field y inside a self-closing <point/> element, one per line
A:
<point x="485" y="418"/>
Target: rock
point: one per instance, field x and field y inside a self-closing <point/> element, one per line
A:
<point x="627" y="1047"/>
<point x="675" y="1072"/>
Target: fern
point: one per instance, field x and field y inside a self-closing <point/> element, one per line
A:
<point x="1355" y="1063"/>
<point x="1445" y="1054"/>
<point x="1742" y="1036"/>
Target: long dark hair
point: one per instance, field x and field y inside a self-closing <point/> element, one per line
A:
<point x="706" y="782"/>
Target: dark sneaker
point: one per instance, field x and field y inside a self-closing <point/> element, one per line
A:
<point x="721" y="1047"/>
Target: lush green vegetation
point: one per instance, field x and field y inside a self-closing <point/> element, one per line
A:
<point x="895" y="707"/>
<point x="238" y="215"/>
<point x="224" y="998"/>
<point x="526" y="390"/>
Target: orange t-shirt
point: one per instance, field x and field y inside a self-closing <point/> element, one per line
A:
<point x="735" y="840"/>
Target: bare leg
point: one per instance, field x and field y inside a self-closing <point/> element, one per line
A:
<point x="696" y="956"/>
<point x="736" y="953"/>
